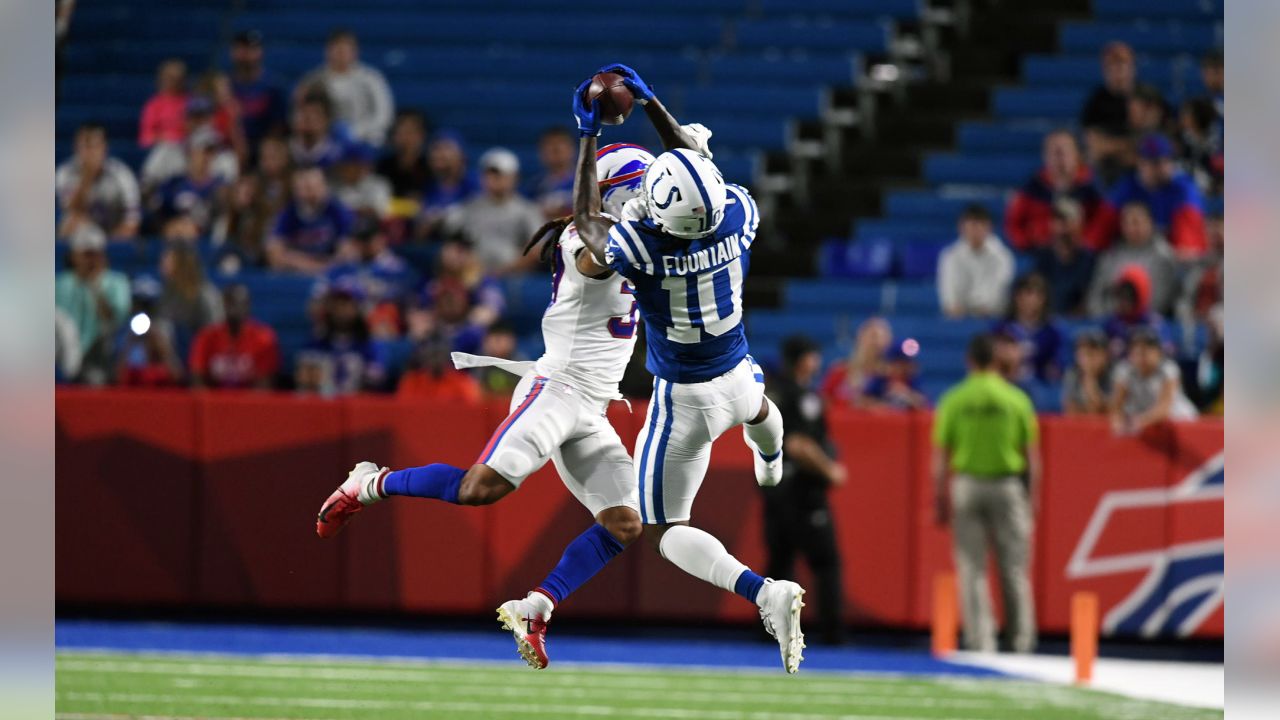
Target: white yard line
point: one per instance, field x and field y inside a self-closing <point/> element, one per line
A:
<point x="1193" y="684"/>
<point x="528" y="707"/>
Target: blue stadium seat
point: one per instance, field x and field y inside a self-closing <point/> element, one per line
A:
<point x="872" y="37"/>
<point x="1172" y="37"/>
<point x="808" y="69"/>
<point x="1003" y="170"/>
<point x="866" y="259"/>
<point x="919" y="259"/>
<point x="917" y="298"/>
<point x="875" y="9"/>
<point x="901" y="229"/>
<point x="833" y="296"/>
<point x="928" y="203"/>
<point x="1020" y="137"/>
<point x="1059" y="103"/>
<point x="1155" y="9"/>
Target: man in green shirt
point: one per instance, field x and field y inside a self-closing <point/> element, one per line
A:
<point x="986" y="439"/>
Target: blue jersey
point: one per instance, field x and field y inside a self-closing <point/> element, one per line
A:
<point x="690" y="291"/>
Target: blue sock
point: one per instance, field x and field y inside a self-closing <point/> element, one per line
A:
<point x="748" y="585"/>
<point x="437" y="481"/>
<point x="582" y="558"/>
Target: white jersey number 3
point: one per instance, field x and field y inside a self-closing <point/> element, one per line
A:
<point x="693" y="313"/>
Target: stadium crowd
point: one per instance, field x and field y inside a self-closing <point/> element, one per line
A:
<point x="328" y="179"/>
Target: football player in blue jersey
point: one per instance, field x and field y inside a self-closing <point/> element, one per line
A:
<point x="685" y="244"/>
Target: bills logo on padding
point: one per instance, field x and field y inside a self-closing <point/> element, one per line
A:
<point x="1181" y="581"/>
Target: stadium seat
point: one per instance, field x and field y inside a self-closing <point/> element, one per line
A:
<point x="867" y="259"/>
<point x="1159" y="9"/>
<point x="931" y="204"/>
<point x="1003" y="137"/>
<point x="1054" y="103"/>
<point x="1172" y="37"/>
<point x="864" y="9"/>
<point x="871" y="37"/>
<point x="832" y="295"/>
<point x="919" y="259"/>
<point x="1001" y="170"/>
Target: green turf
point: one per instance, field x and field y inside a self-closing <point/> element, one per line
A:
<point x="97" y="686"/>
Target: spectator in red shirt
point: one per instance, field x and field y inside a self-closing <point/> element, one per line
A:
<point x="1029" y="217"/>
<point x="844" y="382"/>
<point x="237" y="353"/>
<point x="432" y="376"/>
<point x="1172" y="196"/>
<point x="164" y="117"/>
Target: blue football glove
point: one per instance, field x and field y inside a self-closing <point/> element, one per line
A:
<point x="587" y="114"/>
<point x="632" y="80"/>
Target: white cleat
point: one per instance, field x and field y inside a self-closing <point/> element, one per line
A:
<point x="780" y="603"/>
<point x="362" y="487"/>
<point x="768" y="472"/>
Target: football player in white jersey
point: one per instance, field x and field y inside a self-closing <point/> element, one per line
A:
<point x="557" y="413"/>
<point x="685" y="244"/>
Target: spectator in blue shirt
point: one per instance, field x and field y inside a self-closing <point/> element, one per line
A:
<point x="896" y="386"/>
<point x="189" y="205"/>
<point x="552" y="187"/>
<point x="1066" y="264"/>
<point x="343" y="358"/>
<point x="263" y="102"/>
<point x="315" y="140"/>
<point x="451" y="183"/>
<point x="311" y="229"/>
<point x="461" y="300"/>
<point x="1041" y="338"/>
<point x="384" y="279"/>
<point x="1131" y="298"/>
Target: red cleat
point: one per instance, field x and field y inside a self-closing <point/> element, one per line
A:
<point x="529" y="628"/>
<point x="362" y="487"/>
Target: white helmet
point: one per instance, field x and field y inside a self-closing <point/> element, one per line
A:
<point x="685" y="194"/>
<point x="620" y="168"/>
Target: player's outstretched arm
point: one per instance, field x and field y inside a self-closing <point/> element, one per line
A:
<point x="593" y="228"/>
<point x="673" y="136"/>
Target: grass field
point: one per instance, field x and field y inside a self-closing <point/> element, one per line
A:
<point x="91" y="685"/>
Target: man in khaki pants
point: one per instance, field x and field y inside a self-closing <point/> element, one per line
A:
<point x="985" y="437"/>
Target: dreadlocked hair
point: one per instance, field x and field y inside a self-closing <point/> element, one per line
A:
<point x="548" y="236"/>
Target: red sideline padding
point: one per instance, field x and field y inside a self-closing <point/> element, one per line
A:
<point x="210" y="499"/>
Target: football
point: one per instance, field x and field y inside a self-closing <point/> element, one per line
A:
<point x="616" y="100"/>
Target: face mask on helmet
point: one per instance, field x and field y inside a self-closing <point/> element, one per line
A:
<point x="685" y="194"/>
<point x="620" y="168"/>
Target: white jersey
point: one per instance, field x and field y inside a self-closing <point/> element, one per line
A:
<point x="590" y="326"/>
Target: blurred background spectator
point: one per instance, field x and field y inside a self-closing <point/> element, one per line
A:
<point x="1148" y="112"/>
<point x="498" y="221"/>
<point x="1141" y="246"/>
<point x="1130" y="299"/>
<point x="431" y="375"/>
<point x="164" y="117"/>
<point x="189" y="301"/>
<point x="451" y="182"/>
<point x="460" y="303"/>
<point x="1200" y="148"/>
<point x="1086" y="388"/>
<point x="357" y="187"/>
<point x="552" y="187"/>
<point x="239" y="352"/>
<point x="262" y="99"/>
<point x="95" y="299"/>
<point x="499" y="342"/>
<point x="843" y="385"/>
<point x="190" y="205"/>
<point x="385" y="280"/>
<point x="311" y="229"/>
<point x="974" y="272"/>
<point x="1147" y="387"/>
<point x="1029" y="216"/>
<point x="797" y="515"/>
<point x="1065" y="263"/>
<point x="342" y="358"/>
<point x="404" y="164"/>
<point x="1040" y="337"/>
<point x="1171" y="197"/>
<point x="1105" y="115"/>
<point x="145" y="352"/>
<point x="360" y="95"/>
<point x="94" y="188"/>
<point x="313" y="140"/>
<point x="1201" y="293"/>
<point x="896" y="386"/>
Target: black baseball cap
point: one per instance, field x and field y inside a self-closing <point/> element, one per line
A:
<point x="248" y="37"/>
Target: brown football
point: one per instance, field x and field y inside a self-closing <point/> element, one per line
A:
<point x="616" y="100"/>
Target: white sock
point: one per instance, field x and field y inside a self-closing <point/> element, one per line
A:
<point x="540" y="603"/>
<point x="765" y="437"/>
<point x="701" y="555"/>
